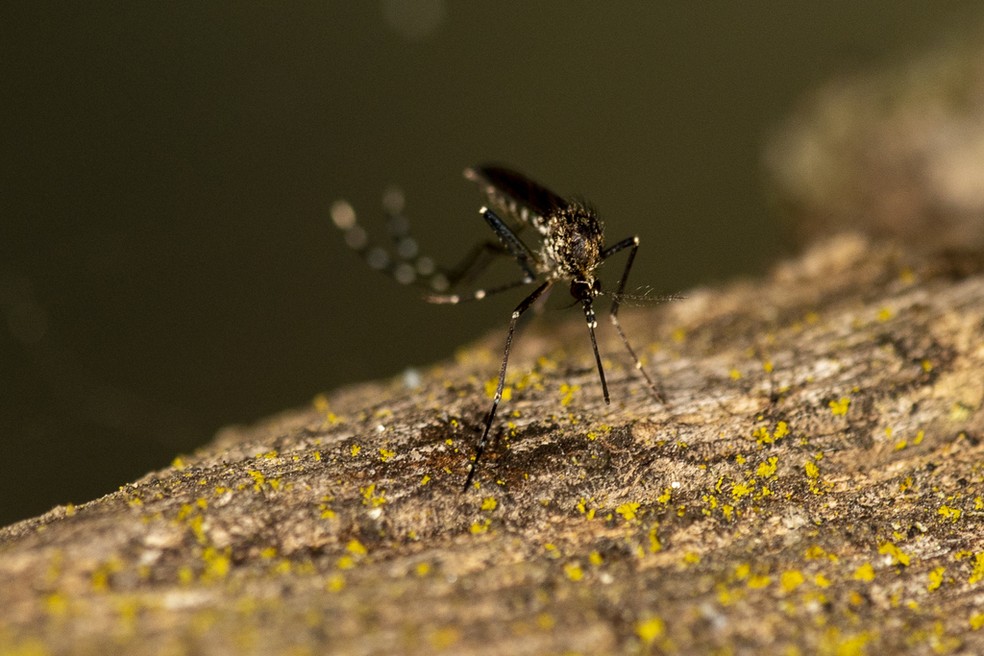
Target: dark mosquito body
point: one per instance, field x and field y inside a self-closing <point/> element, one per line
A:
<point x="571" y="248"/>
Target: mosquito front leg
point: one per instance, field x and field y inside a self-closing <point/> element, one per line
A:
<point x="517" y="313"/>
<point x="589" y="317"/>
<point x="631" y="243"/>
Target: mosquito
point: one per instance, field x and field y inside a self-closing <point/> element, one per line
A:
<point x="570" y="248"/>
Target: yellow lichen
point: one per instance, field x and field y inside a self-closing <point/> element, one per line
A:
<point x="767" y="469"/>
<point x="816" y="485"/>
<point x="791" y="579"/>
<point x="56" y="604"/>
<point x="573" y="571"/>
<point x="567" y="393"/>
<point x="321" y="406"/>
<point x="650" y="629"/>
<point x="900" y="557"/>
<point x="334" y="582"/>
<point x="816" y="552"/>
<point x="935" y="578"/>
<point x="370" y="497"/>
<point x="841" y="406"/>
<point x="480" y="526"/>
<point x="845" y="645"/>
<point x="356" y="548"/>
<point x="949" y="512"/>
<point x="628" y="510"/>
<point x="258" y="479"/>
<point x="763" y="436"/>
<point x="217" y="563"/>
<point x="545" y="621"/>
<point x="865" y="572"/>
<point x="978" y="573"/>
<point x="741" y="489"/>
<point x="582" y="507"/>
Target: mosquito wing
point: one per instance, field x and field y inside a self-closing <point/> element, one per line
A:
<point x="526" y="201"/>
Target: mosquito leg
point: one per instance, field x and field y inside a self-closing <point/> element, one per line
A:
<point x="402" y="261"/>
<point x="589" y="316"/>
<point x="509" y="239"/>
<point x="474" y="263"/>
<point x="631" y="243"/>
<point x="403" y="266"/>
<point x="477" y="295"/>
<point x="517" y="313"/>
<point x="514" y="246"/>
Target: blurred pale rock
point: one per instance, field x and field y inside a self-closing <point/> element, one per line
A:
<point x="895" y="153"/>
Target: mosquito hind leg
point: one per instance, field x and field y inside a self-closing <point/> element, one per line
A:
<point x="402" y="260"/>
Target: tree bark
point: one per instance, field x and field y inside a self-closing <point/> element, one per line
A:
<point x="813" y="484"/>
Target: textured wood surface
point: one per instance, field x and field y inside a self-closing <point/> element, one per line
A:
<point x="814" y="482"/>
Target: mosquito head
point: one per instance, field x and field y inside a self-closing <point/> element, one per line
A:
<point x="585" y="290"/>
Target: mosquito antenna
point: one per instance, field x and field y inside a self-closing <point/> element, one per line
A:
<point x="642" y="299"/>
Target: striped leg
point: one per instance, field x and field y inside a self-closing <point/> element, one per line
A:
<point x="633" y="244"/>
<point x="517" y="313"/>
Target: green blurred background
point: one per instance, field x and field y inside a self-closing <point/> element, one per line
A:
<point x="167" y="265"/>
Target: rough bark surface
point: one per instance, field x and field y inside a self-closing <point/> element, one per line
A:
<point x="814" y="484"/>
<point x="814" y="481"/>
